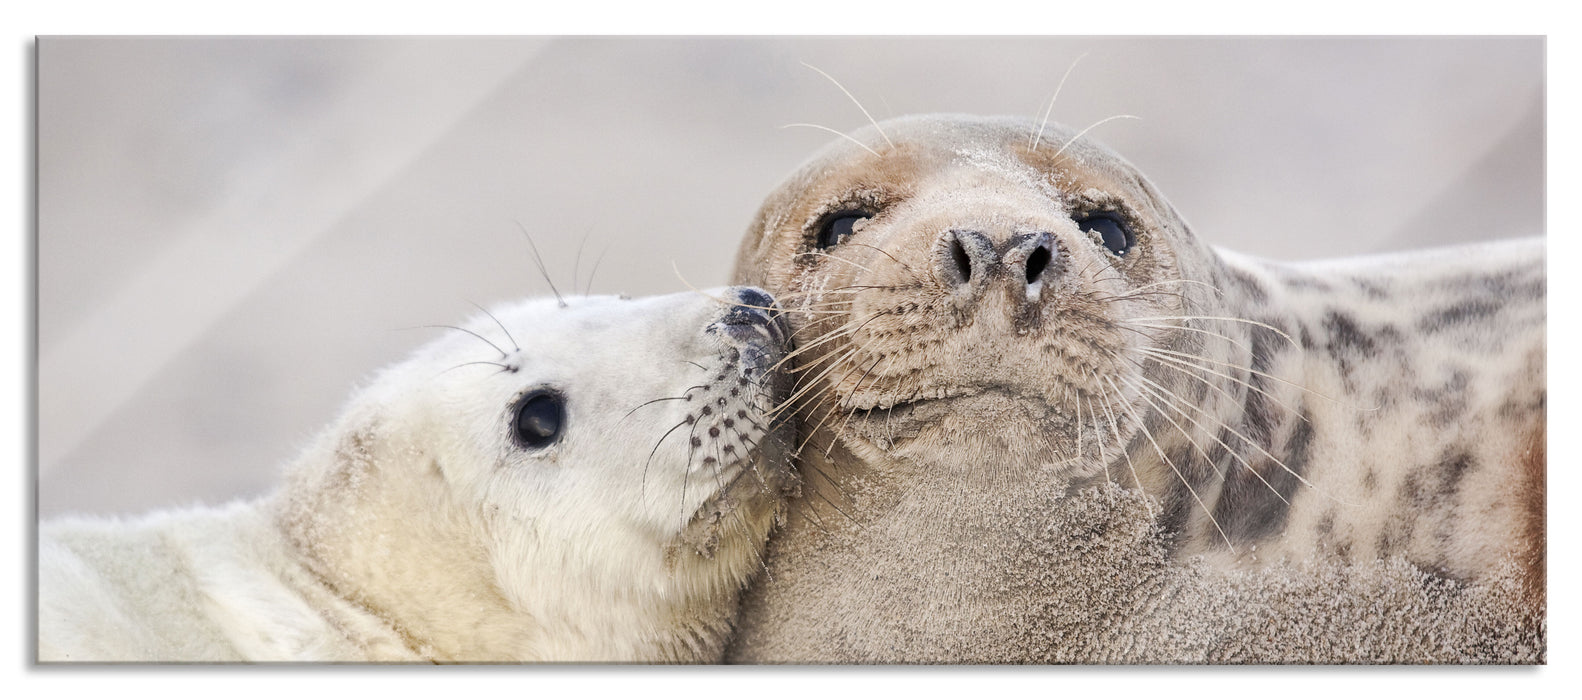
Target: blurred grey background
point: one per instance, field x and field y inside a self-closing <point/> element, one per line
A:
<point x="234" y="232"/>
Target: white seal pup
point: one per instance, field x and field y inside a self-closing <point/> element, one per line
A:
<point x="591" y="480"/>
<point x="990" y="312"/>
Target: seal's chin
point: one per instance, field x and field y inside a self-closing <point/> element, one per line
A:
<point x="967" y="425"/>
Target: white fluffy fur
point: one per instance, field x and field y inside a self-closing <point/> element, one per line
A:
<point x="416" y="529"/>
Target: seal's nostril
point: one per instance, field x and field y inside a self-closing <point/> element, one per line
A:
<point x="1036" y="262"/>
<point x="963" y="262"/>
<point x="754" y="297"/>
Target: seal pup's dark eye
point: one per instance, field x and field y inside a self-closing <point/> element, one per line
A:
<point x="1114" y="232"/>
<point x="837" y="227"/>
<point x="540" y="416"/>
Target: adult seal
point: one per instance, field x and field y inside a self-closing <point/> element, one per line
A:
<point x="993" y="316"/>
<point x="588" y="480"/>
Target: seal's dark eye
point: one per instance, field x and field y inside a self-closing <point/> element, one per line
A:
<point x="1116" y="236"/>
<point x="837" y="227"/>
<point x="539" y="419"/>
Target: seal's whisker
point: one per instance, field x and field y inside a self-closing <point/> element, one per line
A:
<point x="576" y="261"/>
<point x="1252" y="443"/>
<point x="503" y="367"/>
<point x="1235" y="454"/>
<point x="814" y="382"/>
<point x="1148" y="394"/>
<point x="814" y="431"/>
<point x="588" y="289"/>
<point x="844" y="330"/>
<point x="1033" y="146"/>
<point x="850" y="413"/>
<point x="840" y="332"/>
<point x="885" y="253"/>
<point x="643" y="482"/>
<point x="1115" y="429"/>
<point x="1128" y="296"/>
<point x="1142" y="426"/>
<point x="517" y="346"/>
<point x="497" y="348"/>
<point x="1158" y="352"/>
<point x="836" y="132"/>
<point x="822" y="254"/>
<point x="647" y="403"/>
<point x="854" y="100"/>
<point x="1090" y="128"/>
<point x="539" y="259"/>
<point x="1166" y="326"/>
<point x="1098" y="438"/>
<point x="1232" y="319"/>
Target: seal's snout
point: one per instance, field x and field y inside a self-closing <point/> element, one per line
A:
<point x="968" y="261"/>
<point x="754" y="317"/>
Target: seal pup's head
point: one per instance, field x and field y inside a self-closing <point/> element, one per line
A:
<point x="587" y="480"/>
<point x="970" y="292"/>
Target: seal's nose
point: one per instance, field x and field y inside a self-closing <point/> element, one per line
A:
<point x="962" y="259"/>
<point x="755" y="311"/>
<point x="1031" y="255"/>
<point x="967" y="261"/>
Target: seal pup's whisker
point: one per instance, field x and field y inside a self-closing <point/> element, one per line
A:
<point x="655" y="450"/>
<point x="497" y="348"/>
<point x="515" y="345"/>
<point x="854" y="101"/>
<point x="576" y="262"/>
<point x="586" y="290"/>
<point x="654" y="401"/>
<point x="503" y="367"/>
<point x="1090" y="128"/>
<point x="539" y="259"/>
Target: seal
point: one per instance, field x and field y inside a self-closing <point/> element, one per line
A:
<point x="990" y="312"/>
<point x="587" y="480"/>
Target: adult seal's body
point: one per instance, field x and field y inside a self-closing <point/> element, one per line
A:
<point x="992" y="315"/>
<point x="587" y="481"/>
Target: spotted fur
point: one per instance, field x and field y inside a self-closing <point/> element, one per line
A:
<point x="1351" y="412"/>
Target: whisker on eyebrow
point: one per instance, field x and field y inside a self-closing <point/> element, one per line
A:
<point x="836" y="132"/>
<point x="855" y="101"/>
<point x="1050" y="108"/>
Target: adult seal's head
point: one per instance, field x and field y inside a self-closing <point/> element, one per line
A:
<point x="970" y="291"/>
<point x="991" y="312"/>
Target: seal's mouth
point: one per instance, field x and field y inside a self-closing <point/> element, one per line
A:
<point x="888" y="421"/>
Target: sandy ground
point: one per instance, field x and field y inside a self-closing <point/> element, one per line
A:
<point x="234" y="232"/>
